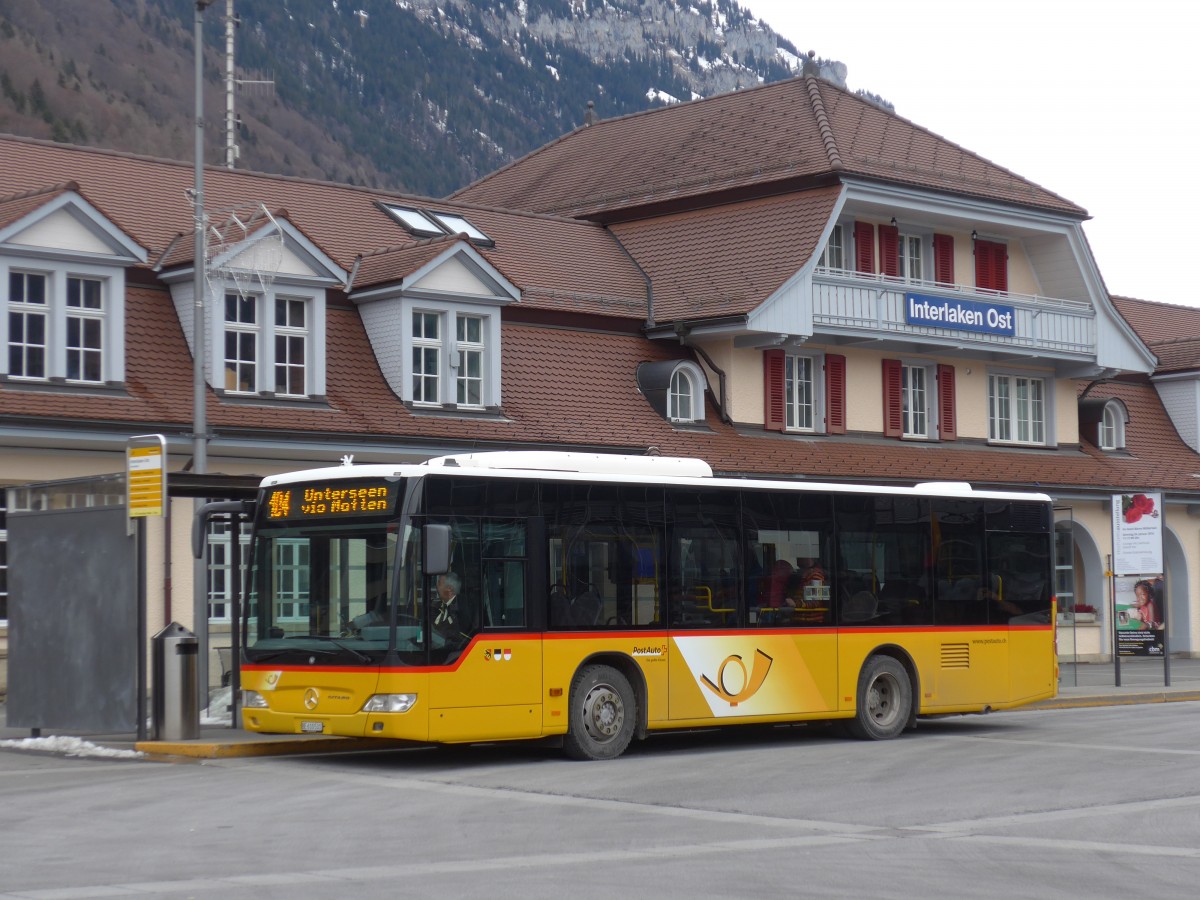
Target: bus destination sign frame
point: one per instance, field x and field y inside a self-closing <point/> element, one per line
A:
<point x="325" y="500"/>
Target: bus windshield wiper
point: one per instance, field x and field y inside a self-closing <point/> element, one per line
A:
<point x="320" y="651"/>
<point x="362" y="657"/>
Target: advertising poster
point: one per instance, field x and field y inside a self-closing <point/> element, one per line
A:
<point x="1137" y="533"/>
<point x="1140" y="615"/>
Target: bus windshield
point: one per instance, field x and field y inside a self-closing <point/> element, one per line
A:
<point x="323" y="589"/>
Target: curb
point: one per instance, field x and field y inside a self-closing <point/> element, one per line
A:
<point x="277" y="747"/>
<point x="1093" y="700"/>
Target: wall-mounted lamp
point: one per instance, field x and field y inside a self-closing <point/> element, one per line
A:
<point x="893" y="221"/>
<point x="974" y="236"/>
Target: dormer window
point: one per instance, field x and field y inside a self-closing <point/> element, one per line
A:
<point x="681" y="398"/>
<point x="62" y="295"/>
<point x="59" y="327"/>
<point x="674" y="388"/>
<point x="1112" y="426"/>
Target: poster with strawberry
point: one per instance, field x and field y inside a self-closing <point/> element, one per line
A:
<point x="1134" y="506"/>
<point x="1137" y="532"/>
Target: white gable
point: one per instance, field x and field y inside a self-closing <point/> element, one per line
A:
<point x="453" y="277"/>
<point x="62" y="231"/>
<point x="269" y="257"/>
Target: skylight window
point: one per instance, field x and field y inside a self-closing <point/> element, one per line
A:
<point x="455" y="224"/>
<point x="415" y="221"/>
<point x="434" y="224"/>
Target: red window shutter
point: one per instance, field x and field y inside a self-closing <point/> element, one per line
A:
<point x="893" y="399"/>
<point x="835" y="393"/>
<point x="947" y="421"/>
<point x="991" y="265"/>
<point x="864" y="247"/>
<point x="943" y="258"/>
<point x="889" y="250"/>
<point x="774" y="416"/>
<point x="1000" y="266"/>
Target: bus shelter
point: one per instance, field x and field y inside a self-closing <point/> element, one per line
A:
<point x="88" y="585"/>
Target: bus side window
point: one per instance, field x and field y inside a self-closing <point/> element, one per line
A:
<point x="503" y="579"/>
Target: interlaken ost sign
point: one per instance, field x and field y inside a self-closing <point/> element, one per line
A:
<point x="964" y="315"/>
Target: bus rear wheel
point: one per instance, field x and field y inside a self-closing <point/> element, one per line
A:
<point x="602" y="714"/>
<point x="884" y="700"/>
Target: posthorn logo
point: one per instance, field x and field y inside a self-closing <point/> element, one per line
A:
<point x="734" y="690"/>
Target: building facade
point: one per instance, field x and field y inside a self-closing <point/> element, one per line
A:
<point x="786" y="280"/>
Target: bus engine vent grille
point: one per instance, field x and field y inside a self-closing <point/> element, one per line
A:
<point x="956" y="656"/>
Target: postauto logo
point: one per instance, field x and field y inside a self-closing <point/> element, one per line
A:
<point x="746" y="686"/>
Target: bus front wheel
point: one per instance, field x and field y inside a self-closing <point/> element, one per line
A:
<point x="603" y="714"/>
<point x="884" y="700"/>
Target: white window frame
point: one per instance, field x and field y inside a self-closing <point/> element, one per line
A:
<point x="686" y="376"/>
<point x="265" y="329"/>
<point x="800" y="395"/>
<point x="220" y="564"/>
<point x="1007" y="424"/>
<point x="57" y="317"/>
<point x="84" y="347"/>
<point x="794" y="404"/>
<point x="917" y="400"/>
<point x="907" y="243"/>
<point x="427" y="344"/>
<point x="1112" y="426"/>
<point x="28" y="312"/>
<point x="245" y="327"/>
<point x="468" y="360"/>
<point x="450" y="353"/>
<point x="287" y="335"/>
<point x="833" y="254"/>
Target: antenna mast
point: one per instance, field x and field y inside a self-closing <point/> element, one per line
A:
<point x="232" y="83"/>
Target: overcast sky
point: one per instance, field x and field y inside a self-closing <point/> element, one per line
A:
<point x="1095" y="100"/>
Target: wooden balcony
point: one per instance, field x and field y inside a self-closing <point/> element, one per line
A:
<point x="849" y="304"/>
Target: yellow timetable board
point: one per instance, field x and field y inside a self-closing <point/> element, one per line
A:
<point x="147" y="484"/>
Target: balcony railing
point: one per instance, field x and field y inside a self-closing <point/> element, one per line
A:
<point x="846" y="301"/>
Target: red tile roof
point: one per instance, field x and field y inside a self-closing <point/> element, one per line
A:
<point x="552" y="260"/>
<point x="776" y="133"/>
<point x="16" y="206"/>
<point x="697" y="260"/>
<point x="1171" y="332"/>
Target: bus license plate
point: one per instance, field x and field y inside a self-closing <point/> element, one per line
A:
<point x="312" y="727"/>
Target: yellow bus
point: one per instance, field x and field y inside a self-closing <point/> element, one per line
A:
<point x="596" y="598"/>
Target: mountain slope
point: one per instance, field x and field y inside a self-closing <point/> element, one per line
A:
<point x="416" y="95"/>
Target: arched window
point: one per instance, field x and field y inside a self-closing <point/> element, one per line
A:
<point x="681" y="399"/>
<point x="1112" y="426"/>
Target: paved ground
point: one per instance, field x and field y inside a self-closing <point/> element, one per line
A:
<point x="1080" y="685"/>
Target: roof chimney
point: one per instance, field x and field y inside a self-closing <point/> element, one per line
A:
<point x="810" y="66"/>
<point x="590" y="116"/>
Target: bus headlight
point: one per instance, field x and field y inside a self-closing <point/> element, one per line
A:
<point x="390" y="703"/>
<point x="253" y="700"/>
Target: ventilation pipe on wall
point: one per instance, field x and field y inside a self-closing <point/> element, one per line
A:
<point x="681" y="331"/>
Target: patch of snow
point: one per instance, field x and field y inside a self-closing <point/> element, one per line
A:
<point x="70" y="746"/>
<point x="661" y="96"/>
<point x="553" y="71"/>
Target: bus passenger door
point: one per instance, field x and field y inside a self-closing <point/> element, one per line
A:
<point x="491" y="687"/>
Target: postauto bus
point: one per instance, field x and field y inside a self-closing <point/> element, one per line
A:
<point x="595" y="598"/>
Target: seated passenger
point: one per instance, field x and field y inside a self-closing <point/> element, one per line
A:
<point x="777" y="585"/>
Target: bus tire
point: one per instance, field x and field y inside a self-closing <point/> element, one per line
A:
<point x="602" y="714"/>
<point x="884" y="702"/>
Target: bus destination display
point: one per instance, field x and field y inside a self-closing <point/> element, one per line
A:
<point x="331" y="501"/>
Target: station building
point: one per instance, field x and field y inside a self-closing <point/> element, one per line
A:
<point x="787" y="280"/>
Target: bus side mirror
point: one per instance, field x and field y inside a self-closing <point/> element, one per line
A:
<point x="437" y="549"/>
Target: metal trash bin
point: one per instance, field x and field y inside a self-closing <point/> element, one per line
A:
<point x="174" y="656"/>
